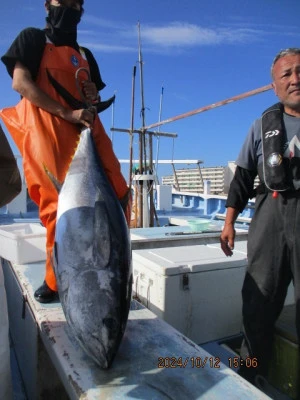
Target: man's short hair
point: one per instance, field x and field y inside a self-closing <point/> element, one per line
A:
<point x="283" y="53"/>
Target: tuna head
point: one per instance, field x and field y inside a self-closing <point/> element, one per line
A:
<point x="92" y="256"/>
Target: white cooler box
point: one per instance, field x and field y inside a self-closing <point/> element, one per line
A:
<point x="196" y="289"/>
<point x="23" y="243"/>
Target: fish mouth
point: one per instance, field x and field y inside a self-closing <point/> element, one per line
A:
<point x="101" y="352"/>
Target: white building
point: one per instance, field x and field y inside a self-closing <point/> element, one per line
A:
<point x="216" y="179"/>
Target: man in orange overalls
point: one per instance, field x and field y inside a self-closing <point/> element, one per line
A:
<point x="44" y="125"/>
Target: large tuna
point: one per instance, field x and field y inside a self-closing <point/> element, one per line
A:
<point x="92" y="256"/>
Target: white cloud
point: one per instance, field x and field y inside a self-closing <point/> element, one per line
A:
<point x="179" y="34"/>
<point x="175" y="36"/>
<point x="100" y="22"/>
<point x="183" y="34"/>
<point x="108" y="48"/>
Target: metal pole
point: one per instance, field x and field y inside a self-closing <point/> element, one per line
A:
<point x="151" y="199"/>
<point x="131" y="127"/>
<point x="135" y="192"/>
<point x="176" y="179"/>
<point x="155" y="133"/>
<point x="211" y="106"/>
<point x="200" y="175"/>
<point x="142" y="135"/>
<point x="142" y="92"/>
<point x="158" y="138"/>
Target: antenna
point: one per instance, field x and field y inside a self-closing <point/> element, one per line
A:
<point x="158" y="130"/>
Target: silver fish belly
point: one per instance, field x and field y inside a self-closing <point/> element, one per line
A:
<point x="92" y="256"/>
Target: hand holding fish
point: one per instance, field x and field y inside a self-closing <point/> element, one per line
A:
<point x="90" y="91"/>
<point x="23" y="84"/>
<point x="83" y="116"/>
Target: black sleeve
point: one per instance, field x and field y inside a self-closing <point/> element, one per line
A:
<point x="94" y="68"/>
<point x="27" y="48"/>
<point x="241" y="188"/>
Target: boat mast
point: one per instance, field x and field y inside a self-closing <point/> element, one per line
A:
<point x="143" y="178"/>
<point x="145" y="219"/>
<point x="131" y="127"/>
<point x="142" y="135"/>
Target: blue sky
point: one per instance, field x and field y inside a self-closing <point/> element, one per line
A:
<point x="201" y="52"/>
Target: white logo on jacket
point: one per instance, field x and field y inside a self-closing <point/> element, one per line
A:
<point x="270" y="134"/>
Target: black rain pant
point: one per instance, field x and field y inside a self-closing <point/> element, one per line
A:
<point x="273" y="261"/>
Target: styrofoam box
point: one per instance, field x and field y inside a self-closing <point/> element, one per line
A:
<point x="196" y="289"/>
<point x="23" y="243"/>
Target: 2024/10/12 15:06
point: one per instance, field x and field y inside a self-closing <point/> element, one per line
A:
<point x="210" y="362"/>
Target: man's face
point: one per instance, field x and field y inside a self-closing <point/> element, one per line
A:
<point x="66" y="3"/>
<point x="286" y="82"/>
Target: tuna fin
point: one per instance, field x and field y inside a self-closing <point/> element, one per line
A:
<point x="54" y="180"/>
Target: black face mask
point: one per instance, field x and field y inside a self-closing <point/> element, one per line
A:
<point x="63" y="18"/>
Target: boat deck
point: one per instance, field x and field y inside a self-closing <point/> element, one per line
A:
<point x="47" y="352"/>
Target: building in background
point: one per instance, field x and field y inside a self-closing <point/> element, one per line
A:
<point x="209" y="180"/>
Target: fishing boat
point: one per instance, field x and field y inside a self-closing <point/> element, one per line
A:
<point x="181" y="278"/>
<point x="185" y="312"/>
<point x="184" y="328"/>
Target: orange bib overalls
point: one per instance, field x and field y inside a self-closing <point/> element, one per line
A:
<point x="49" y="142"/>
